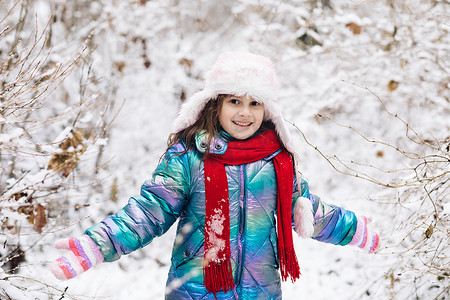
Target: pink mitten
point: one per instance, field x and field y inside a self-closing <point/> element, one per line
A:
<point x="83" y="254"/>
<point x="364" y="238"/>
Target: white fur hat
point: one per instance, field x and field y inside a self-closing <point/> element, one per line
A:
<point x="238" y="73"/>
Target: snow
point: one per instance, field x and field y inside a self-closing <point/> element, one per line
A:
<point x="217" y="220"/>
<point x="446" y="209"/>
<point x="329" y="80"/>
<point x="215" y="238"/>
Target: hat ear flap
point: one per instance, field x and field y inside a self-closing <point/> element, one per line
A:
<point x="272" y="113"/>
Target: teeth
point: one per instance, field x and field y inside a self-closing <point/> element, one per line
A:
<point x="242" y="124"/>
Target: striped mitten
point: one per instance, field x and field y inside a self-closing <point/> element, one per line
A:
<point x="83" y="254"/>
<point x="364" y="238"/>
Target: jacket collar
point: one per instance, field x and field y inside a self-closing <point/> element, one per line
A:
<point x="218" y="143"/>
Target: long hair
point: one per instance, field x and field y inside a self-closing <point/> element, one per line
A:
<point x="208" y="121"/>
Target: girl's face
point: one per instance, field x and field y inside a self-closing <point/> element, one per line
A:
<point x="241" y="116"/>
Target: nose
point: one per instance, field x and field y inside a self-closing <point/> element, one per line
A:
<point x="245" y="111"/>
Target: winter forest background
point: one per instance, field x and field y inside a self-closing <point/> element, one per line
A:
<point x="89" y="90"/>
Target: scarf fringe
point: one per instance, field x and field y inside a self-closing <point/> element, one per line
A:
<point x="288" y="264"/>
<point x="218" y="276"/>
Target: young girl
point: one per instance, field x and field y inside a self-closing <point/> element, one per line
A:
<point x="229" y="178"/>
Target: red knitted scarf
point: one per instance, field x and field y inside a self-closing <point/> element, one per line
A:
<point x="217" y="273"/>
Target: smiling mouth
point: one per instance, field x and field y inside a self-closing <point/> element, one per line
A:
<point x="242" y="124"/>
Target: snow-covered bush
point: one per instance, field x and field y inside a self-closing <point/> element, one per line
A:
<point x="386" y="122"/>
<point x="52" y="125"/>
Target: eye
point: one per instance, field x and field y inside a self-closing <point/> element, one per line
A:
<point x="255" y="103"/>
<point x="234" y="101"/>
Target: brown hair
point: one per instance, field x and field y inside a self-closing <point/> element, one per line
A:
<point x="208" y="120"/>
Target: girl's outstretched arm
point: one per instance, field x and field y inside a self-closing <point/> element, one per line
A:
<point x="333" y="224"/>
<point x="144" y="217"/>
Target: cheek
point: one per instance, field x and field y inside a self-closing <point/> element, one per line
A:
<point x="260" y="116"/>
<point x="225" y="114"/>
<point x="223" y="118"/>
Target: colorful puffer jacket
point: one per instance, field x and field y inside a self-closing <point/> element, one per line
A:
<point x="177" y="191"/>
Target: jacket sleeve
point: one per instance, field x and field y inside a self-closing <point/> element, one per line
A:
<point x="148" y="215"/>
<point x="332" y="224"/>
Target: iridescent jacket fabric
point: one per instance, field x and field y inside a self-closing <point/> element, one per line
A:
<point x="177" y="192"/>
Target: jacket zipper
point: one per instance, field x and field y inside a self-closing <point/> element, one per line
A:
<point x="242" y="208"/>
